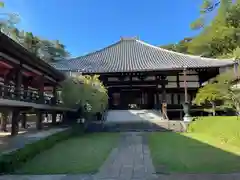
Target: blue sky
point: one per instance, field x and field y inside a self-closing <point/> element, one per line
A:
<point x="88" y="25"/>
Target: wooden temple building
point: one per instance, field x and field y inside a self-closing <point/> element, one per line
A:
<point x="140" y="75"/>
<point x="27" y="84"/>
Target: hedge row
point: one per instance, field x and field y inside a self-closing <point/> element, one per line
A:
<point x="9" y="162"/>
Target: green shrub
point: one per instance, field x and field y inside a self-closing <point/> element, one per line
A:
<point x="85" y="92"/>
<point x="9" y="162"/>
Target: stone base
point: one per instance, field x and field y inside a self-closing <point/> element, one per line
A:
<point x="187" y="118"/>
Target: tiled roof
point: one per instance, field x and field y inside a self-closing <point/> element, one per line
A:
<point x="132" y="55"/>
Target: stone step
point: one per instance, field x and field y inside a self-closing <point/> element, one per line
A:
<point x="163" y="126"/>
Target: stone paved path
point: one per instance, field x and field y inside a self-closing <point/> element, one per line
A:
<point x="131" y="160"/>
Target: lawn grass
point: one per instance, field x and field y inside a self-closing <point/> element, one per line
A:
<point x="224" y="128"/>
<point x="212" y="146"/>
<point x="83" y="154"/>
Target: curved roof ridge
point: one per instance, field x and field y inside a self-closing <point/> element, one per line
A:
<point x="181" y="54"/>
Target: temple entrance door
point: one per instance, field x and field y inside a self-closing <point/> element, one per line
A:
<point x="115" y="100"/>
<point x="131" y="99"/>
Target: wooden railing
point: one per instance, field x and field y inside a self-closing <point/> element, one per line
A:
<point x="34" y="96"/>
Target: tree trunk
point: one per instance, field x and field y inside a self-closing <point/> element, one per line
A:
<point x="213" y="109"/>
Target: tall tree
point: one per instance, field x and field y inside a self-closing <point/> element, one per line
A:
<point x="207" y="7"/>
<point x="220" y="36"/>
<point x="52" y="50"/>
<point x="209" y="94"/>
<point x="181" y="46"/>
<point x="7" y="20"/>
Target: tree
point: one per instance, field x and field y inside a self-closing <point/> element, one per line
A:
<point x="222" y="35"/>
<point x="85" y="91"/>
<point x="227" y="85"/>
<point x="7" y="21"/>
<point x="206" y="8"/>
<point x="181" y="46"/>
<point x="45" y="49"/>
<point x="221" y="89"/>
<point x="52" y="50"/>
<point x="209" y="95"/>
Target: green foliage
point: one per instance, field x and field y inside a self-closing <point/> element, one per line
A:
<point x="1" y="4"/>
<point x="218" y="39"/>
<point x="9" y="162"/>
<point x="81" y="91"/>
<point x="221" y="88"/>
<point x="45" y="49"/>
<point x="221" y="36"/>
<point x="52" y="50"/>
<point x="208" y="94"/>
<point x="181" y="47"/>
<point x="235" y="54"/>
<point x="8" y="20"/>
<point x="199" y="23"/>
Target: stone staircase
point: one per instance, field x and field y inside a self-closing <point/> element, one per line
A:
<point x="139" y="121"/>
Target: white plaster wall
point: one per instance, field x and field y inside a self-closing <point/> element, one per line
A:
<point x="171" y="85"/>
<point x="189" y="78"/>
<point x="172" y="78"/>
<point x="190" y="84"/>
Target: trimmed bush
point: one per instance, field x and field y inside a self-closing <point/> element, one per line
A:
<point x="11" y="161"/>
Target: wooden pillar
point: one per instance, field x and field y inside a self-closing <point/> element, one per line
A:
<point x="178" y="86"/>
<point x="18" y="83"/>
<point x="157" y="99"/>
<point x="163" y="90"/>
<point x="39" y="115"/>
<point x="54" y="117"/>
<point x="185" y="85"/>
<point x="7" y="78"/>
<point x="54" y="95"/>
<point x="186" y="106"/>
<point x="164" y="101"/>
<point x="15" y="120"/>
<point x="25" y="92"/>
<point x="6" y="89"/>
<point x="24" y="120"/>
<point x="157" y="93"/>
<point x="41" y="90"/>
<point x="199" y="79"/>
<point x="4" y="119"/>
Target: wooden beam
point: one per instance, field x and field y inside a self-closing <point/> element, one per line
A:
<point x="155" y="83"/>
<point x="8" y="58"/>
